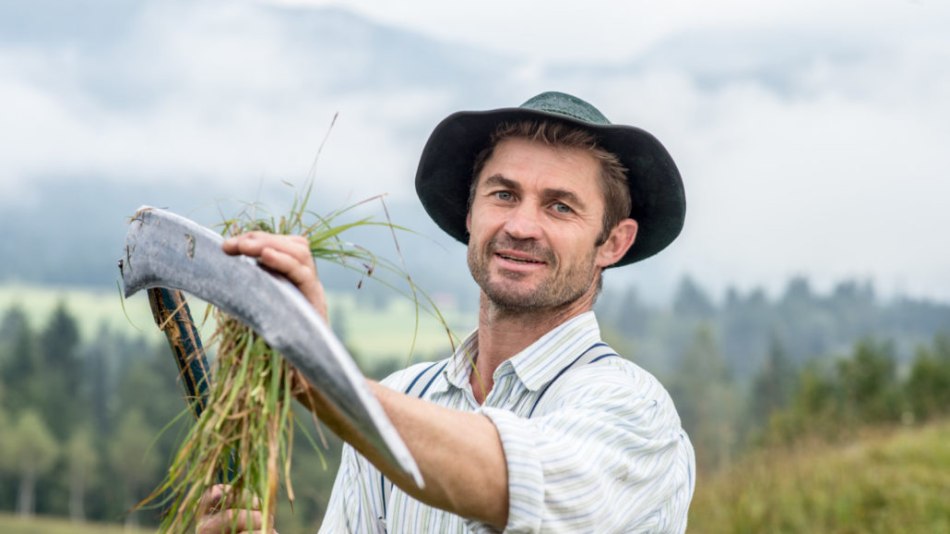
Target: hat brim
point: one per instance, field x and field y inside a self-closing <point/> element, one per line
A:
<point x="656" y="189"/>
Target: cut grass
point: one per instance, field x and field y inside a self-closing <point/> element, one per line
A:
<point x="244" y="436"/>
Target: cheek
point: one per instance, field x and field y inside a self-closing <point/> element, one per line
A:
<point x="484" y="221"/>
<point x="582" y="249"/>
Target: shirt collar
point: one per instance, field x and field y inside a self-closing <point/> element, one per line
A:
<point x="462" y="362"/>
<point x="538" y="363"/>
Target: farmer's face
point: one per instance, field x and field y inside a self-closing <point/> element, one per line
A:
<point x="533" y="225"/>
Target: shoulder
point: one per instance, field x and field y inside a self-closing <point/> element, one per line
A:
<point x="616" y="385"/>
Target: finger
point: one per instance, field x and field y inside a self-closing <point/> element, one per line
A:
<point x="293" y="245"/>
<point x="286" y="255"/>
<point x="211" y="499"/>
<point x="249" y="244"/>
<point x="253" y="243"/>
<point x="244" y="243"/>
<point x="231" y="521"/>
<point x="222" y="496"/>
<point x="302" y="274"/>
<point x="299" y="272"/>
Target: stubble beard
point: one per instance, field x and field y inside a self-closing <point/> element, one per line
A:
<point x="552" y="293"/>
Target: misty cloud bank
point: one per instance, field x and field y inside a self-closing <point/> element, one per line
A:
<point x="807" y="148"/>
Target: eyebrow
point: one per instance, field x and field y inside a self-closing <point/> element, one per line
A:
<point x="547" y="194"/>
<point x="497" y="179"/>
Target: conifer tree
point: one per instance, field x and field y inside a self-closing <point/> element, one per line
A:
<point x="60" y="373"/>
<point x="928" y="386"/>
<point x="706" y="400"/>
<point x="21" y="362"/>
<point x="772" y="387"/>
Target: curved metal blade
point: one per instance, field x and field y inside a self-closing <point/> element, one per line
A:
<point x="163" y="249"/>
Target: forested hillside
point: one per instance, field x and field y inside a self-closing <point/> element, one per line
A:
<point x="89" y="424"/>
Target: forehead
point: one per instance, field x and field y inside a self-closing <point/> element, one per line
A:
<point x="531" y="162"/>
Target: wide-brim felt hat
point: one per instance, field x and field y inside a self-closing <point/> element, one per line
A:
<point x="445" y="170"/>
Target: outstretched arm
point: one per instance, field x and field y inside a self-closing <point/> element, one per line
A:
<point x="459" y="454"/>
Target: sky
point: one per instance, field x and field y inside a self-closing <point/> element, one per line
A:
<point x="811" y="135"/>
<point x="615" y="30"/>
<point x="849" y="181"/>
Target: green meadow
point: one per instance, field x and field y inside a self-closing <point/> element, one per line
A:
<point x="394" y="329"/>
<point x="885" y="481"/>
<point x="10" y="524"/>
<point x="93" y="309"/>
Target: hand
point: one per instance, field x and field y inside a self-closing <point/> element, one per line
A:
<point x="215" y="514"/>
<point x="287" y="255"/>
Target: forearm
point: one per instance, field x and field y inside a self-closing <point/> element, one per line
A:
<point x="459" y="454"/>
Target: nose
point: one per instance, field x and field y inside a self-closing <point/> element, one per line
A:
<point x="523" y="222"/>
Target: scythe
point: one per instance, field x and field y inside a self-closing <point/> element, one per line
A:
<point x="165" y="250"/>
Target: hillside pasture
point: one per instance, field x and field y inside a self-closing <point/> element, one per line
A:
<point x="886" y="481"/>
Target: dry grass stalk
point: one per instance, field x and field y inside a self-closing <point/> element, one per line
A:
<point x="245" y="435"/>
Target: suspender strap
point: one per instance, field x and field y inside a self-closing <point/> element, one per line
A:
<point x="594" y="353"/>
<point x="417" y="388"/>
<point x="421" y="383"/>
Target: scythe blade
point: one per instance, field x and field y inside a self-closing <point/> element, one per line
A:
<point x="163" y="249"/>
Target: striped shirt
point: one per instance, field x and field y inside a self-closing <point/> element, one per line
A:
<point x="592" y="442"/>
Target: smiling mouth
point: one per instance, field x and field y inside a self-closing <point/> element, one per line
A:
<point x="526" y="261"/>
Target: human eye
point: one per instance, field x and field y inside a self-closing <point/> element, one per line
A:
<point x="562" y="208"/>
<point x="504" y="196"/>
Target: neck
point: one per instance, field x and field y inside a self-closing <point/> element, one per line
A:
<point x="503" y="332"/>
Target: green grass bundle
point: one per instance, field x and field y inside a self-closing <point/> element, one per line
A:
<point x="244" y="437"/>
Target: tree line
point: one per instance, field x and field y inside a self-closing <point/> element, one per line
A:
<point x="87" y="427"/>
<point x="81" y="421"/>
<point x="785" y="404"/>
<point x="751" y="371"/>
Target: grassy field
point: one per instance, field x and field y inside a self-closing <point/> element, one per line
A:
<point x="93" y="309"/>
<point x="389" y="332"/>
<point x="373" y="334"/>
<point x="10" y="524"/>
<point x="889" y="481"/>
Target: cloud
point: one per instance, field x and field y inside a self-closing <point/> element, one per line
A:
<point x="612" y="31"/>
<point x="212" y="93"/>
<point x="812" y="140"/>
<point x="836" y="170"/>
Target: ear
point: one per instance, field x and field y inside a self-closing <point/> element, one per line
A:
<point x="619" y="241"/>
<point x="468" y="221"/>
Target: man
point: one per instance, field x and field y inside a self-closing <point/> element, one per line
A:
<point x="534" y="424"/>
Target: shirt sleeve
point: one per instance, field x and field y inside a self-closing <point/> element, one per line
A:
<point x="608" y="454"/>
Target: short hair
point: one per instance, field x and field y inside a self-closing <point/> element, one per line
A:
<point x="613" y="175"/>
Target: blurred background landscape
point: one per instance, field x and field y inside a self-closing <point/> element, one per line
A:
<point x="801" y="321"/>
